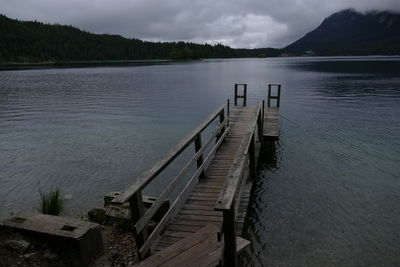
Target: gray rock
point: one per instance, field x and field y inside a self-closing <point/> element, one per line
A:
<point x="51" y="256"/>
<point x="17" y="245"/>
<point x="29" y="255"/>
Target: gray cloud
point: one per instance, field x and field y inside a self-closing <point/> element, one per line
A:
<point x="238" y="23"/>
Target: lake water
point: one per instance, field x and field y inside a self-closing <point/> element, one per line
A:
<point x="328" y="196"/>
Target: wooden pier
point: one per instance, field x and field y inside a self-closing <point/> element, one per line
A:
<point x="204" y="222"/>
<point x="271" y="114"/>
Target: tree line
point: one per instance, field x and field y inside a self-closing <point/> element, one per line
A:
<point x="32" y="41"/>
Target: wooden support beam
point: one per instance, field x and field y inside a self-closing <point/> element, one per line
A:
<point x="245" y="95"/>
<point x="236" y="94"/>
<point x="137" y="211"/>
<point x="227" y="107"/>
<point x="228" y="228"/>
<point x="279" y="95"/>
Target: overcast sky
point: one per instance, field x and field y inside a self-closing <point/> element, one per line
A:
<point x="237" y="23"/>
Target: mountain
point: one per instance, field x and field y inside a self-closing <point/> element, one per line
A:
<point x="32" y="41"/>
<point x="349" y="32"/>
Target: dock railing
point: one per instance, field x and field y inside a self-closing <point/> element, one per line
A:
<point x="133" y="194"/>
<point x="243" y="167"/>
<point x="277" y="97"/>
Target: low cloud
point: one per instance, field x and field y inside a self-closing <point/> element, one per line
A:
<point x="240" y="23"/>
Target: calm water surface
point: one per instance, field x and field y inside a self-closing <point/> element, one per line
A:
<point x="328" y="196"/>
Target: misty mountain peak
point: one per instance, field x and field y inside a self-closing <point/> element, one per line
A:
<point x="349" y="32"/>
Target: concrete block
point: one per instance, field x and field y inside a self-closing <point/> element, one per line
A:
<point x="86" y="238"/>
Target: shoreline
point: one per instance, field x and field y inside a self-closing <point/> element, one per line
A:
<point x="99" y="63"/>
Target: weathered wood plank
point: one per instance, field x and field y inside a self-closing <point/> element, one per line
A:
<point x="197" y="207"/>
<point x="199" y="218"/>
<point x="180" y="200"/>
<point x="172" y="233"/>
<point x="185" y="227"/>
<point x="203" y="202"/>
<point x="241" y="244"/>
<point x="271" y="123"/>
<point x="228" y="191"/>
<point x="198" y="210"/>
<point x="203" y="223"/>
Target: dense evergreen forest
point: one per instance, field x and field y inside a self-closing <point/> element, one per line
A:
<point x="28" y="41"/>
<point x="344" y="33"/>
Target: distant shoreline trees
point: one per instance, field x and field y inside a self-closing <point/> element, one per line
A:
<point x="32" y="42"/>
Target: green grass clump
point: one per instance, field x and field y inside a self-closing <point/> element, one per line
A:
<point x="51" y="203"/>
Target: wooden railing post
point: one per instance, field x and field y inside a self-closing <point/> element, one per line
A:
<point x="197" y="146"/>
<point x="262" y="121"/>
<point x="221" y="120"/>
<point x="263" y="109"/>
<point x="228" y="228"/>
<point x="236" y="94"/>
<point x="279" y="96"/>
<point x="260" y="126"/>
<point x="269" y="95"/>
<point x="245" y="95"/>
<point x="227" y="107"/>
<point x="137" y="211"/>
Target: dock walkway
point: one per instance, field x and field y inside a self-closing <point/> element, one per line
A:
<point x="203" y="224"/>
<point x="198" y="211"/>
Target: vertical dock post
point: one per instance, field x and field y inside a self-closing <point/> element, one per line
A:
<point x="228" y="226"/>
<point x="236" y="95"/>
<point x="227" y="107"/>
<point x="221" y="120"/>
<point x="277" y="97"/>
<point x="137" y="211"/>
<point x="260" y="124"/>
<point x="244" y="96"/>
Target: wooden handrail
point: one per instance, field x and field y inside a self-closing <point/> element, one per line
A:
<point x="150" y="174"/>
<point x="233" y="187"/>
<point x="160" y="200"/>
<point x="235" y="173"/>
<point x="180" y="199"/>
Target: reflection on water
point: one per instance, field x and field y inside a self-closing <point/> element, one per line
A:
<point x="329" y="196"/>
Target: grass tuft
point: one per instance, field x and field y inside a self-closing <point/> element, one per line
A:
<point x="51" y="203"/>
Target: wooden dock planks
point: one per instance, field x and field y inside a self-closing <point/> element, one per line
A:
<point x="271" y="123"/>
<point x="198" y="211"/>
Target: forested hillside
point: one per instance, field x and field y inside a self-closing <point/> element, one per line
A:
<point x="25" y="41"/>
<point x="349" y="32"/>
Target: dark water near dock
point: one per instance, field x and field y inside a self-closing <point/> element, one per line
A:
<point x="329" y="196"/>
